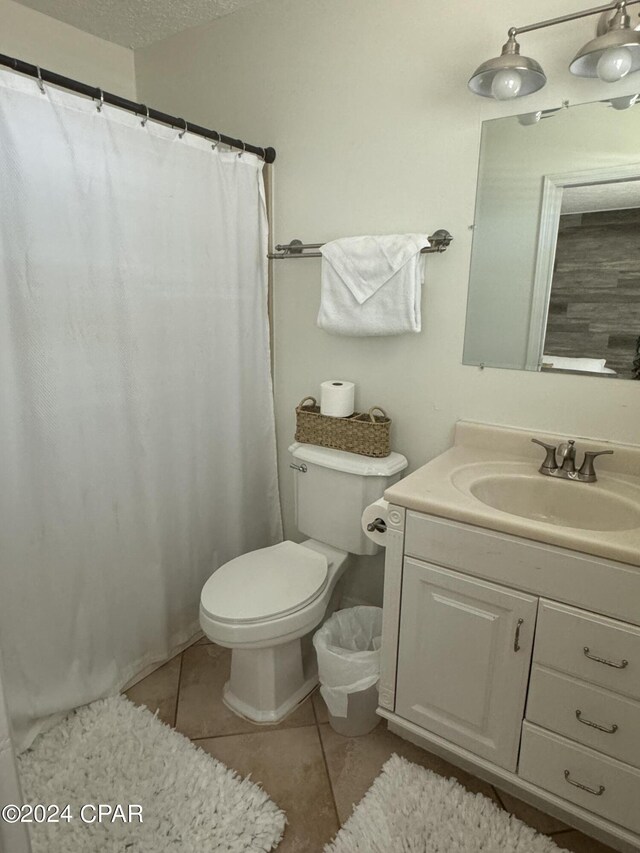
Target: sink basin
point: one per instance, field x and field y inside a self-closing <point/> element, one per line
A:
<point x="518" y="490"/>
<point x="489" y="478"/>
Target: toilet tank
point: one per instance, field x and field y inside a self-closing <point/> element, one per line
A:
<point x="331" y="494"/>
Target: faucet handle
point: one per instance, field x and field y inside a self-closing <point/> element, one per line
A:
<point x="544" y="444"/>
<point x="550" y="463"/>
<point x="587" y="470"/>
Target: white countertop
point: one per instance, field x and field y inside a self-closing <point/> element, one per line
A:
<point x="432" y="489"/>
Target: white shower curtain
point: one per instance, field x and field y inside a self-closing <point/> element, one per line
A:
<point x="137" y="447"/>
<point x="14" y="837"/>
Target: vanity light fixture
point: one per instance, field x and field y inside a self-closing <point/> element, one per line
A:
<point x="533" y="118"/>
<point x="508" y="75"/>
<point x="625" y="102"/>
<point x="528" y="119"/>
<point x="610" y="56"/>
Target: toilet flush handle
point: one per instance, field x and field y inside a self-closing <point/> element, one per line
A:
<point x="302" y="468"/>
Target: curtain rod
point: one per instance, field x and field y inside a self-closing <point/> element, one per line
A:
<point x="439" y="240"/>
<point x="44" y="76"/>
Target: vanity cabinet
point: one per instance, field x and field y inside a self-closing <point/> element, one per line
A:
<point x="463" y="659"/>
<point x="520" y="662"/>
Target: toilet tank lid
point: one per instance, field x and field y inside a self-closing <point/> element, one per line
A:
<point x="350" y="463"/>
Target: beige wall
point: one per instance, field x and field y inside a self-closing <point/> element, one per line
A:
<point x="367" y="105"/>
<point x="37" y="38"/>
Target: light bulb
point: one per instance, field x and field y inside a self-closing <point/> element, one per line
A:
<point x="614" y="64"/>
<point x="506" y="84"/>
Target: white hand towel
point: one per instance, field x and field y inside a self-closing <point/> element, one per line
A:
<point x="372" y="285"/>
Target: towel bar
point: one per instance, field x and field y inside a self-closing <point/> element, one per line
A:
<point x="439" y="240"/>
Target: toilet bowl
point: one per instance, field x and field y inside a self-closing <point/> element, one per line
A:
<point x="288" y="590"/>
<point x="266" y="604"/>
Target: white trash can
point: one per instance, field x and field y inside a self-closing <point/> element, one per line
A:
<point x="348" y="649"/>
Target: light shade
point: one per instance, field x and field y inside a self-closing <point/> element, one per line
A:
<point x="531" y="74"/>
<point x="619" y="35"/>
<point x="624" y="102"/>
<point x="528" y="119"/>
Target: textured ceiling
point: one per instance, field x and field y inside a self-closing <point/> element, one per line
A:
<point x="612" y="196"/>
<point x="135" y="23"/>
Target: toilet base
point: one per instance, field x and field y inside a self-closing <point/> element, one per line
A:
<point x="270" y="717"/>
<point x="267" y="684"/>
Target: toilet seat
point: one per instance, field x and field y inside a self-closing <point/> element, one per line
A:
<point x="265" y="584"/>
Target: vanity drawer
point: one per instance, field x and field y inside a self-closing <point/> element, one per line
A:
<point x="552" y="572"/>
<point x="590" y="715"/>
<point x="596" y="649"/>
<point x="560" y="766"/>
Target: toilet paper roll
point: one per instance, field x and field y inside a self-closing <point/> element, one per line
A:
<point x="337" y="398"/>
<point x="375" y="516"/>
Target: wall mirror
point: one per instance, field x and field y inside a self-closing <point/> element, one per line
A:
<point x="555" y="266"/>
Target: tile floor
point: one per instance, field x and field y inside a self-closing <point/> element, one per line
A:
<point x="314" y="774"/>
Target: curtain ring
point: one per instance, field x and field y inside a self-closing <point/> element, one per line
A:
<point x="146" y="118"/>
<point x="101" y="104"/>
<point x="244" y="148"/>
<point x="40" y="80"/>
<point x="182" y="132"/>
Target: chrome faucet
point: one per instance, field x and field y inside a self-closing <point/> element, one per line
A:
<point x="566" y="469"/>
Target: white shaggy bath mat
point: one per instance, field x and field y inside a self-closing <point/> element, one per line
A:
<point x="112" y="752"/>
<point x="411" y="810"/>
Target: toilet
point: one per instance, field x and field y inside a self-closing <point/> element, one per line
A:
<point x="266" y="605"/>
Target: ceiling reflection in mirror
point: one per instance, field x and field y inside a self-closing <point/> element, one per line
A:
<point x="555" y="267"/>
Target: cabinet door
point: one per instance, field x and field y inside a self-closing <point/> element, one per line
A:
<point x="463" y="659"/>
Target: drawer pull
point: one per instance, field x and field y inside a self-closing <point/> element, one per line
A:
<point x="608" y="729"/>
<point x="516" y="639"/>
<point x="621" y="665"/>
<point x="596" y="793"/>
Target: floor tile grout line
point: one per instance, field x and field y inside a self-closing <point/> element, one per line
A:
<point x="257" y="731"/>
<point x="326" y="767"/>
<point x="175" y="710"/>
<point x="313" y="707"/>
<point x="497" y="793"/>
<point x="548" y="834"/>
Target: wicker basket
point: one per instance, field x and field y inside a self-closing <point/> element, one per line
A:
<point x="366" y="434"/>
